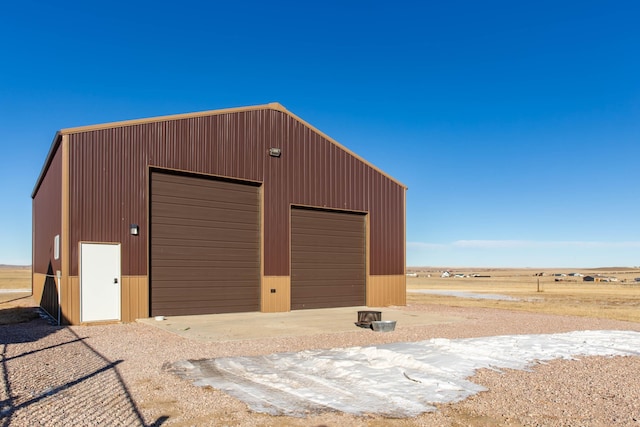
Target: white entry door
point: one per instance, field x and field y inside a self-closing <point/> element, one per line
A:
<point x="99" y="282"/>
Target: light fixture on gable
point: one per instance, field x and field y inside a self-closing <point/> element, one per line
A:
<point x="275" y="152"/>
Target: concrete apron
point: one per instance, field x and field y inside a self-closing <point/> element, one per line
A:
<point x="255" y="325"/>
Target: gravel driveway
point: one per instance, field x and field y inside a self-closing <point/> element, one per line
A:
<point x="118" y="375"/>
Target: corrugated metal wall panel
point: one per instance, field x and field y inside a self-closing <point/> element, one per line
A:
<point x="47" y="223"/>
<point x="47" y="218"/>
<point x="108" y="192"/>
<point x="109" y="181"/>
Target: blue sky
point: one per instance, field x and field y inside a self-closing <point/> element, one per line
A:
<point x="515" y="125"/>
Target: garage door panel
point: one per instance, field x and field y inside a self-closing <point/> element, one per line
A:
<point x="167" y="202"/>
<point x="209" y="217"/>
<point x="197" y="281"/>
<point x="191" y="258"/>
<point x="198" y="245"/>
<point x="328" y="243"/>
<point x="205" y="245"/>
<point x="328" y="280"/>
<point x="344" y="258"/>
<point x="188" y="309"/>
<point x="332" y="227"/>
<point x="331" y="224"/>
<point x="328" y="259"/>
<point x="224" y="271"/>
<point x="329" y="230"/>
<point x="178" y="259"/>
<point x="212" y="234"/>
<point x="314" y="303"/>
<point x="314" y="274"/>
<point x="226" y="197"/>
<point x="210" y="250"/>
<point x="181" y="185"/>
<point x="230" y="213"/>
<point x="213" y="230"/>
<point x="184" y="184"/>
<point x="202" y="303"/>
<point x="179" y="295"/>
<point x="346" y="288"/>
<point x="219" y="310"/>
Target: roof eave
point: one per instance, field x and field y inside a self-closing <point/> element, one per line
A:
<point x="52" y="151"/>
<point x="271" y="106"/>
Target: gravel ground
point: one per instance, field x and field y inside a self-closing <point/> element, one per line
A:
<point x="117" y="375"/>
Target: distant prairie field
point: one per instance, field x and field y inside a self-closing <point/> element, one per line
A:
<point x="16" y="307"/>
<point x="552" y="293"/>
<point x="15" y="278"/>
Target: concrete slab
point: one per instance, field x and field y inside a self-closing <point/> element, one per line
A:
<point x="243" y="326"/>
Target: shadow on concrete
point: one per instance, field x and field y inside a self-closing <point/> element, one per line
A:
<point x="51" y="376"/>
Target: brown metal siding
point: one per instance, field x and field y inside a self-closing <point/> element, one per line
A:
<point x="108" y="181"/>
<point x="205" y="246"/>
<point x="47" y="217"/>
<point x="47" y="223"/>
<point x="327" y="259"/>
<point x="108" y="193"/>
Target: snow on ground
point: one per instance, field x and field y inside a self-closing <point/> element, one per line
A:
<point x="463" y="294"/>
<point x="393" y="380"/>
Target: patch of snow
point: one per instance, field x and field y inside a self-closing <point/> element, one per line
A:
<point x="463" y="294"/>
<point x="393" y="380"/>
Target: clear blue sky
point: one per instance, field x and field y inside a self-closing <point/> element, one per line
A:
<point x="515" y="125"/>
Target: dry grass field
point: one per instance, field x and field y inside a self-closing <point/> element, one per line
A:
<point x="12" y="277"/>
<point x="16" y="307"/>
<point x="565" y="295"/>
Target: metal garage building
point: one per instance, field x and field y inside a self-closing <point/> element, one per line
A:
<point x="236" y="210"/>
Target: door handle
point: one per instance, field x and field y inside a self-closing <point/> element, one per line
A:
<point x="115" y="280"/>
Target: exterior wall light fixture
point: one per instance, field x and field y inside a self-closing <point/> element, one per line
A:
<point x="275" y="152"/>
<point x="134" y="229"/>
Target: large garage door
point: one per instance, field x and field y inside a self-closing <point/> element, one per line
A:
<point x="205" y="246"/>
<point x="327" y="259"/>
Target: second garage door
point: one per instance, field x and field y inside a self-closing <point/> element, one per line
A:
<point x="328" y="259"/>
<point x="205" y="246"/>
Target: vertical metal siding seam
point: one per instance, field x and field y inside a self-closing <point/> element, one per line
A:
<point x="388" y="226"/>
<point x="281" y="127"/>
<point x="313" y="161"/>
<point x="128" y="154"/>
<point x="391" y="226"/>
<point x="237" y="164"/>
<point x="106" y="199"/>
<point x="305" y="194"/>
<point x="325" y="170"/>
<point x="318" y="169"/>
<point x="102" y="198"/>
<point x="383" y="260"/>
<point x="246" y="155"/>
<point x="342" y="164"/>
